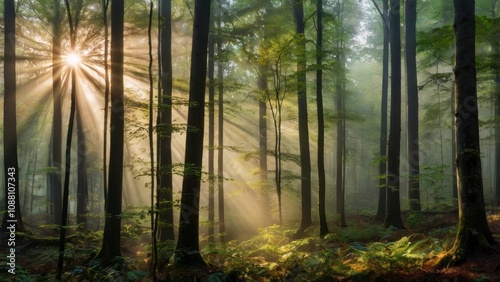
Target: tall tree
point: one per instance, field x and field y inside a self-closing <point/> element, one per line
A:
<point x="105" y="6"/>
<point x="220" y="141"/>
<point x="473" y="233"/>
<point x="164" y="121"/>
<point x="73" y="24"/>
<point x="496" y="74"/>
<point x="56" y="158"/>
<point x="393" y="213"/>
<point x="341" y="118"/>
<point x="187" y="252"/>
<point x="12" y="216"/>
<point x="112" y="225"/>
<point x="211" y="128"/>
<point x="323" y="226"/>
<point x="382" y="199"/>
<point x="412" y="104"/>
<point x="82" y="192"/>
<point x="305" y="158"/>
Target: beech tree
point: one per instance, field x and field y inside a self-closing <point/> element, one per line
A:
<point x="305" y="158"/>
<point x="393" y="214"/>
<point x="164" y="123"/>
<point x="187" y="251"/>
<point x="112" y="225"/>
<point x="11" y="167"/>
<point x="321" y="120"/>
<point x="382" y="200"/>
<point x="412" y="104"/>
<point x="473" y="233"/>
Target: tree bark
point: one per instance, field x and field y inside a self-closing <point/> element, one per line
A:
<point x="393" y="214"/>
<point x="55" y="175"/>
<point x="211" y="129"/>
<point x="220" y="153"/>
<point x="187" y="252"/>
<point x="382" y="199"/>
<point x="112" y="226"/>
<point x="473" y="233"/>
<point x="12" y="216"/>
<point x="323" y="225"/>
<point x="305" y="159"/>
<point x="164" y="122"/>
<point x="412" y="105"/>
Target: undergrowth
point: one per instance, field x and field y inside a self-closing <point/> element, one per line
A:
<point x="274" y="255"/>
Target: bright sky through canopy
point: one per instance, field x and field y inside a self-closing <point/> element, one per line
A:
<point x="73" y="59"/>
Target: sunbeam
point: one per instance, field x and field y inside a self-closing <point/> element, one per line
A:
<point x="73" y="59"/>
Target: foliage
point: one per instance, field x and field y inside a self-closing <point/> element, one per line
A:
<point x="275" y="255"/>
<point x="392" y="256"/>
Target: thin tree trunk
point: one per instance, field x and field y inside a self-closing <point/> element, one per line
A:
<point x="323" y="226"/>
<point x="496" y="73"/>
<point x="393" y="214"/>
<point x="382" y="199"/>
<point x="105" y="5"/>
<point x="12" y="220"/>
<point x="305" y="159"/>
<point x="211" y="129"/>
<point x="112" y="225"/>
<point x="220" y="155"/>
<point x="67" y="167"/>
<point x="56" y="161"/>
<point x="412" y="105"/>
<point x="82" y="185"/>
<point x="187" y="252"/>
<point x="151" y="144"/>
<point x="164" y="122"/>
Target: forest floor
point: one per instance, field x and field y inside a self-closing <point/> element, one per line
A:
<point x="364" y="251"/>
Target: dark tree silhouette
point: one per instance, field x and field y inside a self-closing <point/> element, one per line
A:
<point x="55" y="183"/>
<point x="73" y="24"/>
<point x="323" y="226"/>
<point x="12" y="216"/>
<point x="473" y="233"/>
<point x="412" y="105"/>
<point x="211" y="128"/>
<point x="187" y="252"/>
<point x="382" y="199"/>
<point x="305" y="158"/>
<point x="112" y="225"/>
<point x="393" y="214"/>
<point x="220" y="149"/>
<point x="164" y="121"/>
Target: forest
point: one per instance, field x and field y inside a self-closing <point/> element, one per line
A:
<point x="249" y="140"/>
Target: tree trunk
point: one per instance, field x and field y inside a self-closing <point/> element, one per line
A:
<point x="496" y="73"/>
<point x="412" y="105"/>
<point x="12" y="220"/>
<point x="56" y="158"/>
<point x="473" y="233"/>
<point x="382" y="199"/>
<point x="323" y="226"/>
<point x="305" y="159"/>
<point x="105" y="5"/>
<point x="112" y="225"/>
<point x="187" y="252"/>
<point x="220" y="153"/>
<point x="211" y="129"/>
<point x="67" y="166"/>
<point x="164" y="122"/>
<point x="393" y="214"/>
<point x="82" y="191"/>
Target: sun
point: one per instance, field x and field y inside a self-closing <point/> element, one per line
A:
<point x="73" y="59"/>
